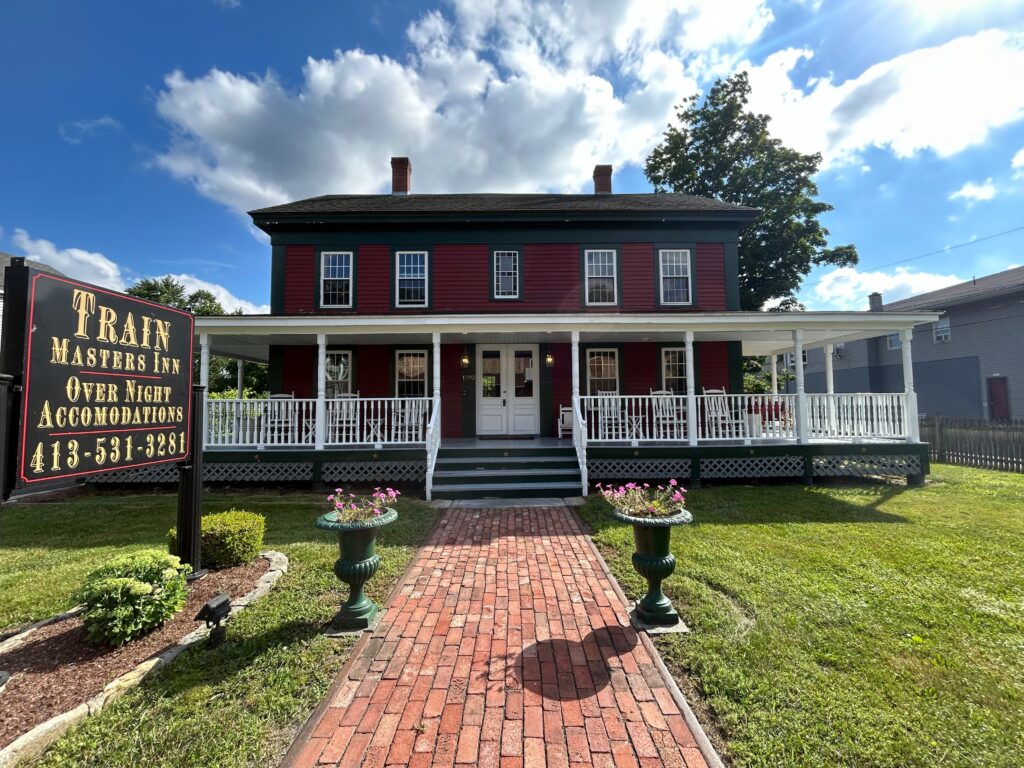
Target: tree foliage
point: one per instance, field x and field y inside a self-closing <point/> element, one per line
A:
<point x="721" y="149"/>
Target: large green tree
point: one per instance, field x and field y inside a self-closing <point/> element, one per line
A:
<point x="223" y="370"/>
<point x="721" y="149"/>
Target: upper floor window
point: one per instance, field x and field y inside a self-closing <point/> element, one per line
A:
<point x="791" y="358"/>
<point x="602" y="283"/>
<point x="892" y="341"/>
<point x="410" y="373"/>
<point x="506" y="274"/>
<point x="336" y="279"/>
<point x="674" y="276"/>
<point x="411" y="279"/>
<point x="339" y="374"/>
<point x="942" y="332"/>
<point x="839" y="350"/>
<point x="673" y="369"/>
<point x="602" y="371"/>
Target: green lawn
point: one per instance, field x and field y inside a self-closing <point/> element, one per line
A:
<point x="855" y="625"/>
<point x="238" y="705"/>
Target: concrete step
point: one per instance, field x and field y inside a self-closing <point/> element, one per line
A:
<point x="507" y="490"/>
<point x="475" y="472"/>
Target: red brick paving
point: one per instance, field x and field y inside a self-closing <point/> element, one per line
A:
<point x="506" y="646"/>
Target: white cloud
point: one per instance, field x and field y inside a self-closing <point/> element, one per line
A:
<point x="510" y="96"/>
<point x="941" y="99"/>
<point x="973" y="193"/>
<point x="1018" y="164"/>
<point x="847" y="288"/>
<point x="80" y="264"/>
<point x="93" y="267"/>
<point x="77" y="131"/>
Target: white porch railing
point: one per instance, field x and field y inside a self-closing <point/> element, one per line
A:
<point x="842" y="416"/>
<point x="746" y="417"/>
<point x="579" y="441"/>
<point x="291" y="422"/>
<point x="433" y="443"/>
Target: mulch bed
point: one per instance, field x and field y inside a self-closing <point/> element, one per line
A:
<point x="58" y="667"/>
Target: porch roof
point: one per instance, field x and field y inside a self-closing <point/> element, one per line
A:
<point x="249" y="337"/>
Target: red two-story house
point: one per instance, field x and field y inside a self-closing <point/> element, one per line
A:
<point x="529" y="344"/>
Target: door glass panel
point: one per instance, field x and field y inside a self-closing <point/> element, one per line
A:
<point x="490" y="375"/>
<point x="524" y="373"/>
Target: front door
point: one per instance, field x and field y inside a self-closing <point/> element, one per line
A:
<point x="998" y="398"/>
<point x="507" y="396"/>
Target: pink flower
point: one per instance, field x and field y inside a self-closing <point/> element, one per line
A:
<point x="677" y="496"/>
<point x="673" y="482"/>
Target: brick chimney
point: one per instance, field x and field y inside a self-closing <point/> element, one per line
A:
<point x="401" y="176"/>
<point x="602" y="179"/>
<point x="875" y="301"/>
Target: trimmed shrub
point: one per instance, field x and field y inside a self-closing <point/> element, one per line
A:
<point x="229" y="538"/>
<point x="132" y="595"/>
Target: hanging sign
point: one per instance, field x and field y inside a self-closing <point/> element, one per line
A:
<point x="106" y="381"/>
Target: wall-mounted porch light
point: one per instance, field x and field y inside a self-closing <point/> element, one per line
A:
<point x="464" y="360"/>
<point x="549" y="360"/>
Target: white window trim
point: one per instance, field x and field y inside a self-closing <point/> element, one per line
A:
<point x="942" y="335"/>
<point x="494" y="275"/>
<point x="615" y="352"/>
<point x="426" y="371"/>
<point x="615" y="278"/>
<point x="351" y="281"/>
<point x="689" y="277"/>
<point x="347" y="353"/>
<point x="426" y="280"/>
<point x="664" y="378"/>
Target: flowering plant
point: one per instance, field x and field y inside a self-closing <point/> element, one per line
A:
<point x="643" y="501"/>
<point x="350" y="508"/>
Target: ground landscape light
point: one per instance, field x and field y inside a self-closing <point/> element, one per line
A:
<point x="213" y="613"/>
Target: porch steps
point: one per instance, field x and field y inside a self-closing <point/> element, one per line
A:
<point x="528" y="472"/>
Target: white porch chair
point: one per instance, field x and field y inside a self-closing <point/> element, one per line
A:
<point x="719" y="419"/>
<point x="281" y="419"/>
<point x="407" y="422"/>
<point x="611" y="423"/>
<point x="564" y="421"/>
<point x="669" y="420"/>
<point x="343" y="425"/>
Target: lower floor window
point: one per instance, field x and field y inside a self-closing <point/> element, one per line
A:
<point x="602" y="371"/>
<point x="673" y="370"/>
<point x="339" y="374"/>
<point x="410" y="373"/>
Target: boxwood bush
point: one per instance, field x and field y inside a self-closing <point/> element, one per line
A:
<point x="229" y="538"/>
<point x="132" y="595"/>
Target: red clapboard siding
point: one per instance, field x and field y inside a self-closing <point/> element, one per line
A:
<point x="710" y="276"/>
<point x="551" y="278"/>
<point x="298" y="372"/>
<point x="373" y="366"/>
<point x="561" y="383"/>
<point x="714" y="365"/>
<point x="461" y="278"/>
<point x="299" y="279"/>
<point x="373" y="279"/>
<point x="638" y="277"/>
<point x="639" y="367"/>
<point x="451" y="390"/>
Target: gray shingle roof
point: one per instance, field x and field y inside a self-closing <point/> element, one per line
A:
<point x="487" y="203"/>
<point x="5" y="259"/>
<point x="972" y="290"/>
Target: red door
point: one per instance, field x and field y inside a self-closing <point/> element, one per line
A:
<point x="998" y="398"/>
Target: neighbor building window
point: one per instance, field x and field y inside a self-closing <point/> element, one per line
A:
<point x="839" y="350"/>
<point x="410" y="373"/>
<point x="339" y="374"/>
<point x="673" y="369"/>
<point x="892" y="341"/>
<point x="411" y="279"/>
<point x="336" y="279"/>
<point x="942" y="332"/>
<point x="674" y="276"/>
<point x="602" y="288"/>
<point x="506" y="274"/>
<point x="791" y="358"/>
<point x="602" y="371"/>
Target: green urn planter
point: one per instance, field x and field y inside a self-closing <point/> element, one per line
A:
<point x="356" y="566"/>
<point x="654" y="561"/>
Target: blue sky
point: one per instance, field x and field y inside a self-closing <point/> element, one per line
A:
<point x="135" y="135"/>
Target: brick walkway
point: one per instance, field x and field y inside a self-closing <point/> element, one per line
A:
<point x="505" y="646"/>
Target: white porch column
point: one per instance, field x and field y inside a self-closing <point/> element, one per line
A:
<point x="801" y="395"/>
<point x="320" y="433"/>
<point x="691" y="393"/>
<point x="437" y="364"/>
<point x="575" y="364"/>
<point x="773" y="370"/>
<point x="240" y="365"/>
<point x="913" y="427"/>
<point x="204" y="378"/>
<point x="830" y="389"/>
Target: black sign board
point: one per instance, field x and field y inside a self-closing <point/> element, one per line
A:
<point x="105" y="378"/>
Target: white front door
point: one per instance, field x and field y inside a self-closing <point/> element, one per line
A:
<point x="507" y="389"/>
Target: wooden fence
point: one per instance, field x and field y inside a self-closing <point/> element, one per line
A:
<point x="986" y="444"/>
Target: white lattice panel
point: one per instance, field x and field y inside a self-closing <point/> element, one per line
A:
<point x="217" y="472"/>
<point x="637" y="469"/>
<point x="754" y="466"/>
<point x="866" y="466"/>
<point x="374" y="471"/>
<point x="161" y="473"/>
